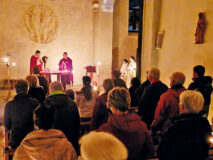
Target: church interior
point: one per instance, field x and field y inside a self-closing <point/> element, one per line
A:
<point x="98" y="33"/>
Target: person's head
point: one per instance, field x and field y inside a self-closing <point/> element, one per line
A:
<point x="32" y="80"/>
<point x="177" y="78"/>
<point x="36" y="70"/>
<point x="44" y="59"/>
<point x="147" y="75"/>
<point x="43" y="117"/>
<point x="87" y="89"/>
<point x="125" y="61"/>
<point x="132" y="59"/>
<point x="56" y="86"/>
<point x="154" y="74"/>
<point x="198" y="71"/>
<point x="135" y="82"/>
<point x="65" y="55"/>
<point x="108" y="85"/>
<point x="70" y="93"/>
<point x="37" y="53"/>
<point x="118" y="99"/>
<point x="102" y="146"/>
<point x="191" y="102"/>
<point x="116" y="73"/>
<point x="86" y="80"/>
<point x="21" y="86"/>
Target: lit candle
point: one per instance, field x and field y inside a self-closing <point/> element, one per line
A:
<point x="6" y="60"/>
<point x="13" y="64"/>
<point x="99" y="63"/>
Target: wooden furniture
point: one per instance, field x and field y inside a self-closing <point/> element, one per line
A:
<point x="90" y="70"/>
<point x="48" y="74"/>
<point x="7" y="150"/>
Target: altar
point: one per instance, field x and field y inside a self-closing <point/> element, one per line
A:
<point x="47" y="75"/>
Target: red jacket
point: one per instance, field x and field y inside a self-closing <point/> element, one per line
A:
<point x="132" y="132"/>
<point x="167" y="108"/>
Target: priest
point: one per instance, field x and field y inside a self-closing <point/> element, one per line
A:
<point x="35" y="61"/>
<point x="65" y="64"/>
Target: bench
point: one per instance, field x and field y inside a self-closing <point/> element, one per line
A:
<point x="7" y="150"/>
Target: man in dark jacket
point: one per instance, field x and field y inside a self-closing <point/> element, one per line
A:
<point x="188" y="137"/>
<point x="18" y="114"/>
<point x="151" y="96"/>
<point x="127" y="127"/>
<point x="67" y="117"/>
<point x="202" y="84"/>
<point x="141" y="88"/>
<point x="168" y="105"/>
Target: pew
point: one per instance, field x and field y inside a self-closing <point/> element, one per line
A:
<point x="7" y="150"/>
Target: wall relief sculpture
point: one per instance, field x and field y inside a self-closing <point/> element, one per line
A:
<point x="41" y="23"/>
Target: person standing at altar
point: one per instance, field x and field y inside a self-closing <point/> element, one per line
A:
<point x="65" y="64"/>
<point x="35" y="61"/>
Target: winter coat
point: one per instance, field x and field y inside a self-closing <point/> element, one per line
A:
<point x="37" y="93"/>
<point x="18" y="117"/>
<point x="129" y="128"/>
<point x="201" y="84"/>
<point x="167" y="108"/>
<point x="149" y="100"/>
<point x="45" y="145"/>
<point x="100" y="112"/>
<point x="187" y="138"/>
<point x="140" y="90"/>
<point x="67" y="117"/>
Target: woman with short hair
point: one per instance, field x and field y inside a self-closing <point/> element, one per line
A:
<point x="188" y="138"/>
<point x="102" y="146"/>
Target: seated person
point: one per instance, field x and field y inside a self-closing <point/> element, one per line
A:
<point x="45" y="143"/>
<point x="100" y="112"/>
<point x="102" y="146"/>
<point x="118" y="82"/>
<point x="168" y="105"/>
<point x="35" y="91"/>
<point x="42" y="80"/>
<point x="71" y="94"/>
<point x="188" y="138"/>
<point x="66" y="113"/>
<point x="127" y="127"/>
<point x="86" y="99"/>
<point x="18" y="114"/>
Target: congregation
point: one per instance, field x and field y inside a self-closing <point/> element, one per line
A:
<point x="44" y="121"/>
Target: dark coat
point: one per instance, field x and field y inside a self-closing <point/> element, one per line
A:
<point x="18" y="117"/>
<point x="43" y="83"/>
<point x="140" y="90"/>
<point x="149" y="100"/>
<point x="134" y="98"/>
<point x="37" y="93"/>
<point x="187" y="139"/>
<point x="100" y="112"/>
<point x="202" y="85"/>
<point x="167" y="108"/>
<point x="132" y="132"/>
<point x="67" y="117"/>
